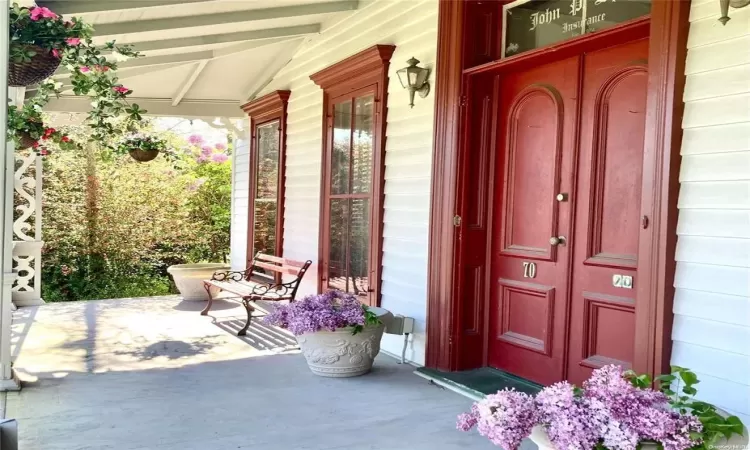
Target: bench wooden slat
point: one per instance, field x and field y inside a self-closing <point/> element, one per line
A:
<point x="278" y="260"/>
<point x="278" y="269"/>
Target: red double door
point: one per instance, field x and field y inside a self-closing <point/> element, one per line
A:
<point x="567" y="217"/>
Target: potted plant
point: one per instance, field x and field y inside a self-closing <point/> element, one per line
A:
<point x="613" y="410"/>
<point x="338" y="335"/>
<point x="38" y="41"/>
<point x="140" y="146"/>
<point x="26" y="127"/>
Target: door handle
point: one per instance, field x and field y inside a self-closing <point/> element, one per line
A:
<point x="555" y="241"/>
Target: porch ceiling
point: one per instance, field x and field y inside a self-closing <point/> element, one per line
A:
<point x="202" y="58"/>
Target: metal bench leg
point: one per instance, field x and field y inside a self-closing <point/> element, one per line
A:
<point x="207" y="287"/>
<point x="249" y="309"/>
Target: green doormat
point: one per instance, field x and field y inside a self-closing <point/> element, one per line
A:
<point x="478" y="382"/>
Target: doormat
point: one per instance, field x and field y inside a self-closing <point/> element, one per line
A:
<point x="477" y="383"/>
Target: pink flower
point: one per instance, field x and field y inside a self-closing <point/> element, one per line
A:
<point x="55" y="53"/>
<point x="85" y="69"/>
<point x="202" y="158"/>
<point x="38" y="13"/>
<point x="73" y="41"/>
<point x="121" y="89"/>
<point x="206" y="150"/>
<point x="219" y="158"/>
<point x="220" y="146"/>
<point x="195" y="139"/>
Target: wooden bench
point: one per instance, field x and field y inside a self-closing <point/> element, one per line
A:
<point x="263" y="280"/>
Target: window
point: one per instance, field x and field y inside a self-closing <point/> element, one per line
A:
<point x="267" y="152"/>
<point x="352" y="182"/>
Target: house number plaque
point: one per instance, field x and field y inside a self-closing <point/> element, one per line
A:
<point x="529" y="269"/>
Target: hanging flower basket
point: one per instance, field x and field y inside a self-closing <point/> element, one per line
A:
<point x="142" y="147"/>
<point x="25" y="141"/>
<point x="143" y="155"/>
<point x="26" y="73"/>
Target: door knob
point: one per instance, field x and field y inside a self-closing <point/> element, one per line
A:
<point x="554" y="241"/>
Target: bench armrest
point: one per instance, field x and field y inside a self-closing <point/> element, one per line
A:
<point x="229" y="275"/>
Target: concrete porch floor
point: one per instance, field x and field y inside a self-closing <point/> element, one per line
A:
<point x="151" y="373"/>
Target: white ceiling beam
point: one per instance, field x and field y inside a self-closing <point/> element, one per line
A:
<point x="166" y="59"/>
<point x="188" y="83"/>
<point x="143" y="26"/>
<point x="254" y="35"/>
<point x="156" y="107"/>
<point x="270" y="71"/>
<point x="72" y="7"/>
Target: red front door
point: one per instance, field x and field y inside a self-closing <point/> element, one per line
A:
<point x="566" y="214"/>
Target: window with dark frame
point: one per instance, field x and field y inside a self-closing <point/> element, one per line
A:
<point x="353" y="173"/>
<point x="267" y="162"/>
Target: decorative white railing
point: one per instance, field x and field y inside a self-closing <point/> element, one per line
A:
<point x="27" y="230"/>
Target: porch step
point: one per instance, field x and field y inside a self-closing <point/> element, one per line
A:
<point x="477" y="383"/>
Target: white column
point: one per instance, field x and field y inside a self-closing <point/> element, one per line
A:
<point x="8" y="381"/>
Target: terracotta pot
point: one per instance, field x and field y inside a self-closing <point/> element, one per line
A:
<point x="189" y="278"/>
<point x="341" y="354"/>
<point x="41" y="67"/>
<point x="143" y="155"/>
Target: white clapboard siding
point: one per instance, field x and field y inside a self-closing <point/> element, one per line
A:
<point x="240" y="201"/>
<point x="412" y="27"/>
<point x="711" y="332"/>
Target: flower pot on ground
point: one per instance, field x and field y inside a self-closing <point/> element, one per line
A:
<point x="189" y="278"/>
<point x="339" y="337"/>
<point x="613" y="410"/>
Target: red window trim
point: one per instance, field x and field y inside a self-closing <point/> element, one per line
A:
<point x="270" y="107"/>
<point x="367" y="69"/>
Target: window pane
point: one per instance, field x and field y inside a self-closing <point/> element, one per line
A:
<point x="265" y="226"/>
<point x="349" y="249"/>
<point x="267" y="187"/>
<point x="363" y="144"/>
<point x="359" y="244"/>
<point x="538" y="23"/>
<point x="268" y="160"/>
<point x="338" y="244"/>
<point x="605" y="14"/>
<point x="340" y="157"/>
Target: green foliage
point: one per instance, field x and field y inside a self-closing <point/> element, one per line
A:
<point x="370" y="320"/>
<point x="43" y="28"/>
<point x="209" y="209"/>
<point x="679" y="387"/>
<point x="112" y="226"/>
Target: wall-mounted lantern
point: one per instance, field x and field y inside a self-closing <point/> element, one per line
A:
<point x="725" y="4"/>
<point x="414" y="79"/>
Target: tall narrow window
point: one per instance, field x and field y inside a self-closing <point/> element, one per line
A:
<point x="353" y="166"/>
<point x="267" y="154"/>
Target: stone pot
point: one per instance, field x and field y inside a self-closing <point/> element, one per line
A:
<point x="540" y="438"/>
<point x="341" y="354"/>
<point x="189" y="278"/>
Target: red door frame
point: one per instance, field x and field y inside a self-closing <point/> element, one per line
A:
<point x="459" y="23"/>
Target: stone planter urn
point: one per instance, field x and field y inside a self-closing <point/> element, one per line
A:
<point x="189" y="278"/>
<point x="341" y="354"/>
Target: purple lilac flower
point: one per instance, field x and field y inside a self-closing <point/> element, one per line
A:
<point x="328" y="311"/>
<point x="570" y="421"/>
<point x="195" y="139"/>
<point x="220" y="146"/>
<point x="219" y="158"/>
<point x="505" y="418"/>
<point x="206" y="150"/>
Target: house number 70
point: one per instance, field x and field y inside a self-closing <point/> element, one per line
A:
<point x="529" y="269"/>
